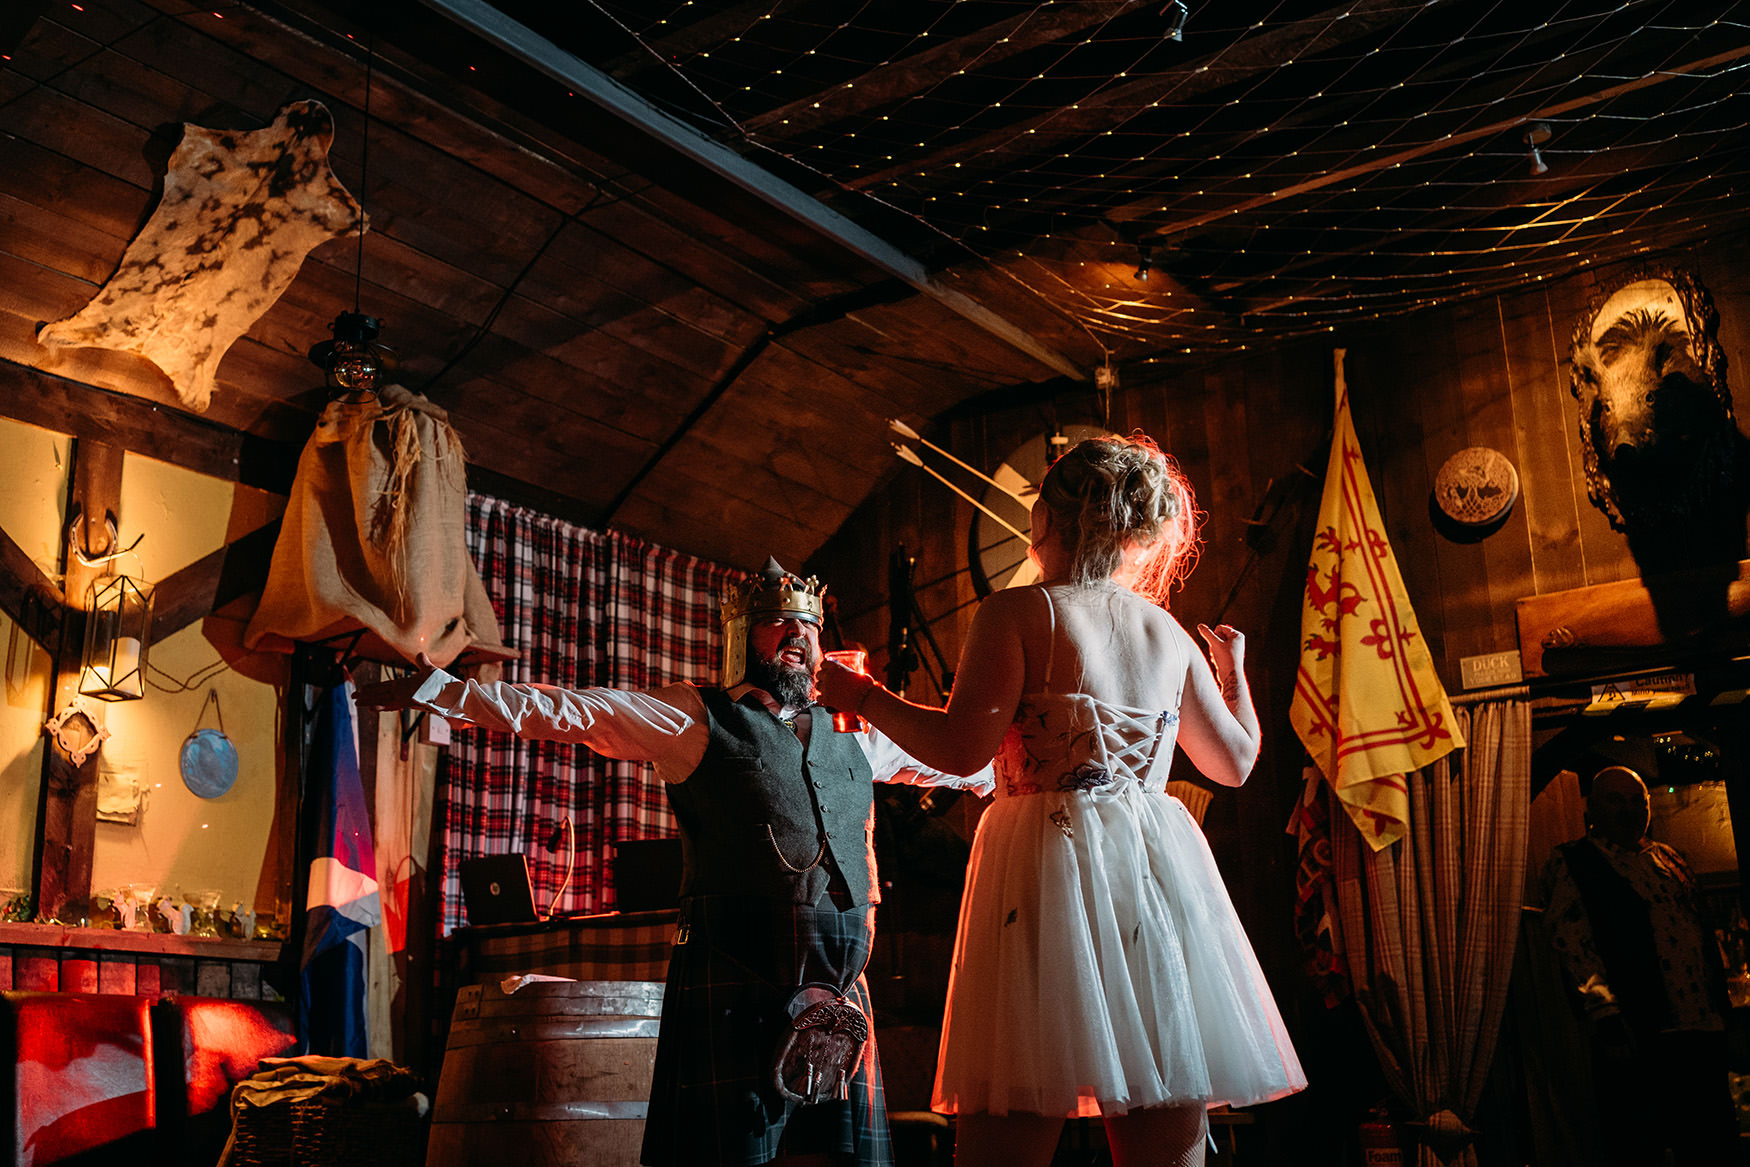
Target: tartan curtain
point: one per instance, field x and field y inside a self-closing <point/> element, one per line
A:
<point x="584" y="608"/>
<point x="1428" y="925"/>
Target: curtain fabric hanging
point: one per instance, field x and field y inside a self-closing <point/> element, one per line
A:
<point x="1428" y="927"/>
<point x="584" y="608"/>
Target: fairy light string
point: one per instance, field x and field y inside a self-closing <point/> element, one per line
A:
<point x="1291" y="168"/>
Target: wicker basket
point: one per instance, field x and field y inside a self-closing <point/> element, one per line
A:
<point x="261" y="1136"/>
<point x="384" y="1134"/>
<point x="323" y="1134"/>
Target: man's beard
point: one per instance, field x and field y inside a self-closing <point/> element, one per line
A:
<point x="791" y="685"/>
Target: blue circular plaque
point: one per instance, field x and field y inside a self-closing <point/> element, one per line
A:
<point x="209" y="762"/>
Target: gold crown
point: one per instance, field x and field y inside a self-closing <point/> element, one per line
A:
<point x="775" y="592"/>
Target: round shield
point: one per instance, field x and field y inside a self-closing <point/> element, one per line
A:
<point x="1476" y="486"/>
<point x="209" y="762"/>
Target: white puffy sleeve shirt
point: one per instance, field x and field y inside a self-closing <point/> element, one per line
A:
<point x="667" y="727"/>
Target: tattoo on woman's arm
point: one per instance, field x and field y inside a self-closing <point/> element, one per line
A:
<point x="1230" y="687"/>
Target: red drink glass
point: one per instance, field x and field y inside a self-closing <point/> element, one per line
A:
<point x="857" y="660"/>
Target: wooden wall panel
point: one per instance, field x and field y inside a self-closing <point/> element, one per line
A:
<point x="1210" y="417"/>
<point x="1490" y="422"/>
<point x="1543" y="451"/>
<point x="1403" y="398"/>
<point x="1488" y="569"/>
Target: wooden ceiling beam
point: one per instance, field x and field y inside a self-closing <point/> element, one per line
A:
<point x="831" y="310"/>
<point x="196" y="591"/>
<point x="642" y="117"/>
<point x="1328" y="29"/>
<point x="16" y="20"/>
<point x="916" y="73"/>
<point x="30" y="597"/>
<point x="132" y="423"/>
<point x="296" y="38"/>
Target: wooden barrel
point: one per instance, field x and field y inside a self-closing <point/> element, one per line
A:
<point x="556" y="1073"/>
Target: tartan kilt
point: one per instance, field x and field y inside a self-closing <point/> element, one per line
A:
<point x="735" y="963"/>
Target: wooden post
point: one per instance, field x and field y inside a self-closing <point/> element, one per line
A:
<point x="67" y="809"/>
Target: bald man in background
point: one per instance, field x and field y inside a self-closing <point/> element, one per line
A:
<point x="1625" y="918"/>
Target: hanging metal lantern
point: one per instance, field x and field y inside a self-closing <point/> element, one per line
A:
<point x="355" y="364"/>
<point x="118" y="631"/>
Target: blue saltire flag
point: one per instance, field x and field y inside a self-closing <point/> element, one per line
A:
<point x="341" y="904"/>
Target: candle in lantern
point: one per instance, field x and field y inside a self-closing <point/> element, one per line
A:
<point x="127" y="658"/>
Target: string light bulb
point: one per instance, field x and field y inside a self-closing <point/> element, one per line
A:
<point x="1109" y="172"/>
<point x="1145" y="262"/>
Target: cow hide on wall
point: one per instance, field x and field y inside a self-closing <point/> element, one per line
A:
<point x="240" y="211"/>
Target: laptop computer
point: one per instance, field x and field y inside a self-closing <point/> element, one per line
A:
<point x="496" y="890"/>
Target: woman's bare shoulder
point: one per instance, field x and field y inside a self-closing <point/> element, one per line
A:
<point x="1012" y="604"/>
<point x="1168" y="620"/>
<point x="1151" y="615"/>
<point x="1163" y="630"/>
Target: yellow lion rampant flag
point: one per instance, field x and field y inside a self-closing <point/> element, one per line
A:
<point x="1367" y="704"/>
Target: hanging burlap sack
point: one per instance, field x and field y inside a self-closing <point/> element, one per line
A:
<point x="372" y="540"/>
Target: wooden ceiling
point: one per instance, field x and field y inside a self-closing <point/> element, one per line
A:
<point x="672" y="266"/>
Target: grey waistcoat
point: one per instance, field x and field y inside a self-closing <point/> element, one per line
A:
<point x="761" y="816"/>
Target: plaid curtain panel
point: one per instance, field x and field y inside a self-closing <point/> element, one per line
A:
<point x="1428" y="925"/>
<point x="584" y="608"/>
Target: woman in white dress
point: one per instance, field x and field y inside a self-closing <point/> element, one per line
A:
<point x="1099" y="966"/>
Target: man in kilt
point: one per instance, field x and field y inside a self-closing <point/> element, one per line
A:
<point x="778" y="893"/>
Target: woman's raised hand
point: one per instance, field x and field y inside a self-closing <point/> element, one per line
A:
<point x="398" y="693"/>
<point x="1227" y="651"/>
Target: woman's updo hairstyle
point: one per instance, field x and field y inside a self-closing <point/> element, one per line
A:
<point x="1119" y="503"/>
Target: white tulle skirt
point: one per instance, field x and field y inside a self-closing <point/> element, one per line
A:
<point x="1100" y="967"/>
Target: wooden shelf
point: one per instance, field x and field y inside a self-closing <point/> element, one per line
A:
<point x="154" y="943"/>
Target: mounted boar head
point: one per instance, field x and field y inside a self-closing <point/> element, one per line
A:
<point x="1663" y="456"/>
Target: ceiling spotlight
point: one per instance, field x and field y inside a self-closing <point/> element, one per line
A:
<point x="1175" y="12"/>
<point x="1145" y="262"/>
<point x="1536" y="134"/>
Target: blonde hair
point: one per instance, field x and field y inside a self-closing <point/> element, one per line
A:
<point x="1119" y="502"/>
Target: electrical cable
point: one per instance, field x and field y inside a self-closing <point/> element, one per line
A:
<point x="570" y="865"/>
